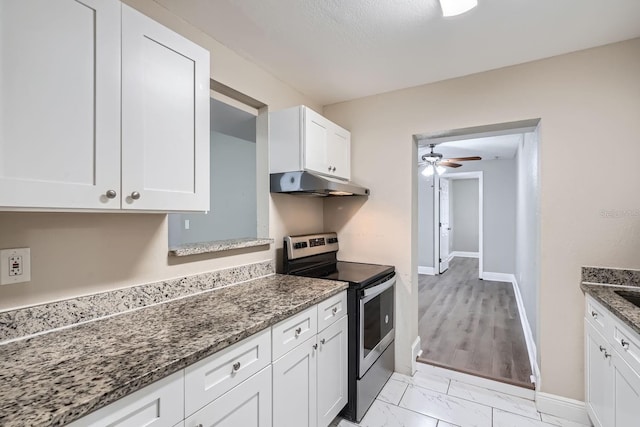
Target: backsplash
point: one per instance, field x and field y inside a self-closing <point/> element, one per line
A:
<point x="40" y="318"/>
<point x="611" y="276"/>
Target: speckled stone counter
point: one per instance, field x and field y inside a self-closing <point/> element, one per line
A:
<point x="55" y="378"/>
<point x="218" y="246"/>
<point x="601" y="284"/>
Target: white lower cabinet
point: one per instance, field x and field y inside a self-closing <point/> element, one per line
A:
<point x="294" y="387"/>
<point x="247" y="405"/>
<point x="159" y="405"/>
<point x="310" y="381"/>
<point x="332" y="371"/>
<point x="612" y="380"/>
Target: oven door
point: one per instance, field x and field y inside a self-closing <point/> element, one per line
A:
<point x="377" y="305"/>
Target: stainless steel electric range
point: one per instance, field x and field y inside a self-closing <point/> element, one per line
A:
<point x="371" y="305"/>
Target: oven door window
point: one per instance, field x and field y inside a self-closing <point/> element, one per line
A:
<point x="376" y="323"/>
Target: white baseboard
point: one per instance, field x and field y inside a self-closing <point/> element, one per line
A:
<point x="465" y="254"/>
<point x="498" y="277"/>
<point x="532" y="349"/>
<point x="416" y="351"/>
<point x="427" y="270"/>
<point x="569" y="409"/>
<point x="501" y="387"/>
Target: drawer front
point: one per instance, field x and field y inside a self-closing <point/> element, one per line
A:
<point x="160" y="404"/>
<point x="332" y="309"/>
<point x="248" y="405"/>
<point x="293" y="331"/>
<point x="627" y="344"/>
<point x="210" y="378"/>
<point x="596" y="315"/>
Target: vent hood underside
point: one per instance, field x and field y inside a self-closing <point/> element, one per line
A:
<point x="309" y="184"/>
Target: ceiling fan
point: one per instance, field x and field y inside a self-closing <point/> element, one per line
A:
<point x="436" y="163"/>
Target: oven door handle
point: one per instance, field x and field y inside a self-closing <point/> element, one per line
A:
<point x="378" y="289"/>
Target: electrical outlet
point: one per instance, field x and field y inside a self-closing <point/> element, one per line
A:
<point x="15" y="266"/>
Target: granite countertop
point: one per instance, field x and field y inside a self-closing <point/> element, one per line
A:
<point x="601" y="284"/>
<point x="58" y="377"/>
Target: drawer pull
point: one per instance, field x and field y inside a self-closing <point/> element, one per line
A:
<point x="594" y="314"/>
<point x="298" y="331"/>
<point x="624" y="343"/>
<point x="334" y="311"/>
<point x="602" y="349"/>
<point x="606" y="355"/>
<point x="236" y="367"/>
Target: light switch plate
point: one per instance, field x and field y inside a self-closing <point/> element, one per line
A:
<point x="15" y="266"/>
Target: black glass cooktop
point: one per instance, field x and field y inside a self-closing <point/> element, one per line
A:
<point x="355" y="273"/>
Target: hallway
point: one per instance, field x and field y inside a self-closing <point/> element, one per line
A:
<point x="472" y="325"/>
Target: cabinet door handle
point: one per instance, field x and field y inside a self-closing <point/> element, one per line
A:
<point x="334" y="169"/>
<point x="334" y="311"/>
<point x="606" y="355"/>
<point x="602" y="349"/>
<point x="323" y="341"/>
<point x="624" y="343"/>
<point x="135" y="195"/>
<point x="329" y="168"/>
<point x="298" y="331"/>
<point x="315" y="346"/>
<point x="236" y="367"/>
<point x="111" y="194"/>
<point x="594" y="314"/>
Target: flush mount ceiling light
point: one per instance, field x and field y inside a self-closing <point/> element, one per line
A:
<point x="456" y="7"/>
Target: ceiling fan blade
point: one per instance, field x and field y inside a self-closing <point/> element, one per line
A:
<point x="449" y="164"/>
<point x="463" y="159"/>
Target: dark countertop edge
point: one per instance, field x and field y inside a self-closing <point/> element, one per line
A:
<point x="218" y="246"/>
<point x="80" y="410"/>
<point x="589" y="288"/>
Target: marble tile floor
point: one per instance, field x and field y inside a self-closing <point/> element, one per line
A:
<point x="431" y="399"/>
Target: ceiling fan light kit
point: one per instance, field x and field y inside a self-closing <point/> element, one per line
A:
<point x="456" y="7"/>
<point x="436" y="164"/>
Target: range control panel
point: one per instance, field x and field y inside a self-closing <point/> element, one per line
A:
<point x="310" y="244"/>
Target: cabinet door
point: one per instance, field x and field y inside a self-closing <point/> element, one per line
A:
<point x="332" y="371"/>
<point x="339" y="152"/>
<point x="315" y="140"/>
<point x="160" y="404"/>
<point x="247" y="405"/>
<point x="598" y="377"/>
<point x="60" y="103"/>
<point x="626" y="394"/>
<point x="165" y="118"/>
<point x="294" y="387"/>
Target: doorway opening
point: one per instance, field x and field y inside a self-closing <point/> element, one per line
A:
<point x="478" y="251"/>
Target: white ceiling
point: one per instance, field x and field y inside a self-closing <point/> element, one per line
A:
<point x="336" y="50"/>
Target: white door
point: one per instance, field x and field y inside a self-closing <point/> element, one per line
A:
<point x="598" y="378"/>
<point x="316" y="136"/>
<point x="332" y="371"/>
<point x="294" y="387"/>
<point x="60" y="104"/>
<point x="626" y="390"/>
<point x="165" y="118"/>
<point x="444" y="225"/>
<point x="246" y="405"/>
<point x="339" y="152"/>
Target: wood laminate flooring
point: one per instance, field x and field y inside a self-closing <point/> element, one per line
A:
<point x="472" y="325"/>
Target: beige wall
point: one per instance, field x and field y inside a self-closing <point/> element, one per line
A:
<point x="589" y="103"/>
<point x="81" y="253"/>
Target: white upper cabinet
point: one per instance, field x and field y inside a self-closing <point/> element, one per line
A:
<point x="67" y="138"/>
<point x="301" y="139"/>
<point x="165" y="118"/>
<point x="59" y="103"/>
